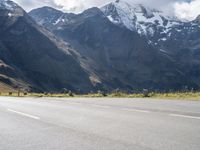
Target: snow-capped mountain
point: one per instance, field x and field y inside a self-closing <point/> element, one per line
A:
<point x="137" y="17"/>
<point x="159" y="29"/>
<point x="131" y="45"/>
<point x="121" y="45"/>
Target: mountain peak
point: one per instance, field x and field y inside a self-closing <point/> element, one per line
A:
<point x="8" y="5"/>
<point x="93" y="11"/>
<point x="120" y="13"/>
<point x="136" y="7"/>
<point x="127" y="14"/>
<point x="46" y="9"/>
<point x="10" y="8"/>
<point x="136" y="17"/>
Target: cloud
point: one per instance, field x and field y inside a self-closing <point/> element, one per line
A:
<point x="184" y="9"/>
<point x="31" y="4"/>
<point x="187" y="10"/>
<point x="78" y="5"/>
<point x="65" y="5"/>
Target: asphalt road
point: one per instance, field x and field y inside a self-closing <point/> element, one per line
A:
<point x="98" y="124"/>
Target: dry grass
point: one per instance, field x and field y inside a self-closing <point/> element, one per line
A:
<point x="5" y="88"/>
<point x="177" y="95"/>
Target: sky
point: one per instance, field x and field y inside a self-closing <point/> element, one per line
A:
<point x="183" y="9"/>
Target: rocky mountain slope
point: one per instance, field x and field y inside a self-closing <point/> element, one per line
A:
<point x="178" y="40"/>
<point x="124" y="44"/>
<point x="31" y="58"/>
<point x="119" y="46"/>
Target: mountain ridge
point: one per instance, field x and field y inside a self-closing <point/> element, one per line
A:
<point x="48" y="50"/>
<point x="38" y="58"/>
<point x="92" y="32"/>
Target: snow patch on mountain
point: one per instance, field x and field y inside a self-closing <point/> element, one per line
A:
<point x="61" y="19"/>
<point x="121" y="14"/>
<point x="137" y="17"/>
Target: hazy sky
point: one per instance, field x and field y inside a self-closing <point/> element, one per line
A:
<point x="184" y="9"/>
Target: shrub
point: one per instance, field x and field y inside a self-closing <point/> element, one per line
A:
<point x="146" y="93"/>
<point x="70" y="94"/>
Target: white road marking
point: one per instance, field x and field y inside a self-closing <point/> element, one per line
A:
<point x="185" y="116"/>
<point x="94" y="105"/>
<point x="24" y="114"/>
<point x="137" y="110"/>
<point x="100" y="106"/>
<point x="74" y="103"/>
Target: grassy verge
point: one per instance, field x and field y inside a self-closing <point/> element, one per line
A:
<point x="21" y="94"/>
<point x="177" y="95"/>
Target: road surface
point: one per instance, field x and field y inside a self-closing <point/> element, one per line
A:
<point x="98" y="124"/>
